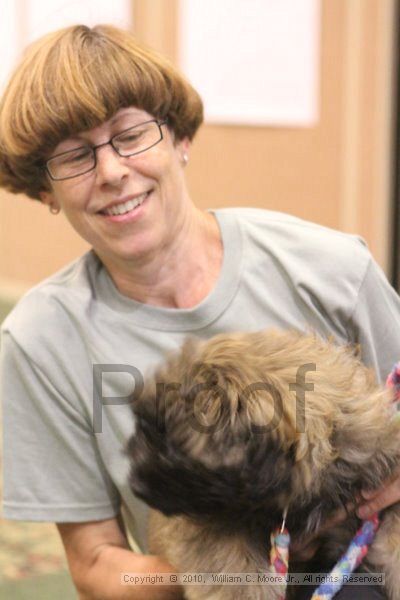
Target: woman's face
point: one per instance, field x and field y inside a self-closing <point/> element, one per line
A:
<point x="154" y="179"/>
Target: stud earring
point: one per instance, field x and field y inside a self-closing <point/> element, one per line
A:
<point x="185" y="158"/>
<point x="54" y="209"/>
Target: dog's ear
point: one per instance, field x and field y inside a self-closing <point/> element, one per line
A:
<point x="202" y="446"/>
<point x="181" y="466"/>
<point x="173" y="482"/>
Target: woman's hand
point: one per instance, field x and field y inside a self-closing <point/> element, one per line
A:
<point x="379" y="499"/>
<point x="368" y="504"/>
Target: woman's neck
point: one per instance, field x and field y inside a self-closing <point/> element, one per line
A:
<point x="182" y="273"/>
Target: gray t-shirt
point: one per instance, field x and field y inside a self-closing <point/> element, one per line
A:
<point x="64" y="441"/>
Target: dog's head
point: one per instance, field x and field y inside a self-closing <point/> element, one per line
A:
<point x="235" y="428"/>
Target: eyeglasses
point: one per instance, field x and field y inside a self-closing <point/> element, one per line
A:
<point x="129" y="142"/>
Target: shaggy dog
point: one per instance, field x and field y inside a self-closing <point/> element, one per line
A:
<point x="233" y="430"/>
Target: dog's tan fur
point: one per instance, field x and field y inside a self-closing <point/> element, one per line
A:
<point x="349" y="442"/>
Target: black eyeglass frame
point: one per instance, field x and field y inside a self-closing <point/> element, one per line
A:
<point x="110" y="141"/>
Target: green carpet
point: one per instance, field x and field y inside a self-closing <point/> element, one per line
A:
<point x="46" y="587"/>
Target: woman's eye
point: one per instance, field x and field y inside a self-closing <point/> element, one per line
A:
<point x="130" y="137"/>
<point x="78" y="157"/>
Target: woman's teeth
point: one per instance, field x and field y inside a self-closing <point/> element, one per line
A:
<point x="125" y="207"/>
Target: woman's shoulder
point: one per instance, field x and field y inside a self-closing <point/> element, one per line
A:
<point x="291" y="238"/>
<point x="319" y="265"/>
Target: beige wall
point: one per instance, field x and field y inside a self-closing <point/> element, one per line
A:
<point x="337" y="173"/>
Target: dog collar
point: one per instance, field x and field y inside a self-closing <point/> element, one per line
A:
<point x="347" y="564"/>
<point x="279" y="555"/>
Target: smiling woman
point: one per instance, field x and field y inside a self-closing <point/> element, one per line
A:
<point x="131" y="200"/>
<point x="67" y="62"/>
<point x="99" y="128"/>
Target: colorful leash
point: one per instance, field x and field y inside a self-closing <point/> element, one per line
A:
<point x="350" y="560"/>
<point x="358" y="548"/>
<point x="348" y="563"/>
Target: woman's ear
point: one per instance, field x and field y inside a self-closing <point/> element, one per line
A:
<point x="47" y="198"/>
<point x="183" y="147"/>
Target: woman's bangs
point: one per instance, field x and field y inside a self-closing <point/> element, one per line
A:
<point x="82" y="100"/>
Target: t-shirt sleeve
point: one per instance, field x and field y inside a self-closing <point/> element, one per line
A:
<point x="375" y="321"/>
<point x="52" y="469"/>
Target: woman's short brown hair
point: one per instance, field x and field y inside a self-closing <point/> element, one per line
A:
<point x="74" y="79"/>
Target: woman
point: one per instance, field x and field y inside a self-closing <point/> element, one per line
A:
<point x="99" y="128"/>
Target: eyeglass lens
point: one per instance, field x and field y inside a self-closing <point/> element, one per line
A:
<point x="132" y="141"/>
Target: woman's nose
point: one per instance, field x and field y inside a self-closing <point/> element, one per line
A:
<point x="111" y="168"/>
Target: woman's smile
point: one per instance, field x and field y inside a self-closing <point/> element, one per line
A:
<point x="128" y="209"/>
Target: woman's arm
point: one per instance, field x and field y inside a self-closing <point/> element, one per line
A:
<point x="98" y="553"/>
